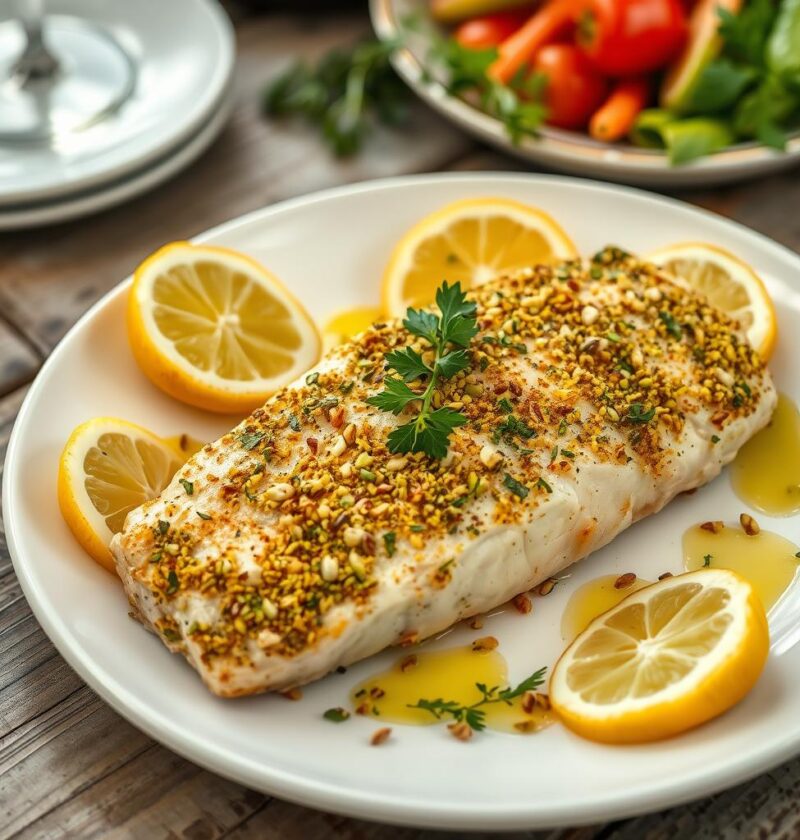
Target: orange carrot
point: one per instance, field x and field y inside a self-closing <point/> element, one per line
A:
<point x="616" y="116"/>
<point x="543" y="25"/>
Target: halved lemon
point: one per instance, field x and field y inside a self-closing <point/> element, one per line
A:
<point x="667" y="658"/>
<point x="470" y="242"/>
<point x="109" y="467"/>
<point x="729" y="283"/>
<point x="215" y="329"/>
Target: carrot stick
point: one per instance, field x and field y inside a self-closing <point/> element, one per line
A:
<point x="616" y="116"/>
<point x="519" y="48"/>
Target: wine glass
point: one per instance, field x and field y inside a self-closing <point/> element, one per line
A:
<point x="59" y="75"/>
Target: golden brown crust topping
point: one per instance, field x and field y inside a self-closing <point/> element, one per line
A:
<point x="599" y="361"/>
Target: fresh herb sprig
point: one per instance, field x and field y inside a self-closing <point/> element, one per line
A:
<point x="517" y="105"/>
<point x="449" y="335"/>
<point x="474" y="715"/>
<point x="344" y="94"/>
<point x="350" y="89"/>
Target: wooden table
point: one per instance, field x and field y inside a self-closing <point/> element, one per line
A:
<point x="69" y="765"/>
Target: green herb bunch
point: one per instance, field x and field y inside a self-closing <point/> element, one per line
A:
<point x="344" y="94"/>
<point x="449" y="335"/>
<point x="517" y="105"/>
<point x="474" y="715"/>
<point x="751" y="91"/>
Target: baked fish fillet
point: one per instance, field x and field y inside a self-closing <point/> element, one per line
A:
<point x="297" y="542"/>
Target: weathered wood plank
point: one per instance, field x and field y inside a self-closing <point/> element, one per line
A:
<point x="49" y="277"/>
<point x="278" y="820"/>
<point x="766" y="807"/>
<point x="18" y="360"/>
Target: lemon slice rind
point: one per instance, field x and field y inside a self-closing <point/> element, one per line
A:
<point x="185" y="380"/>
<point x="714" y="683"/>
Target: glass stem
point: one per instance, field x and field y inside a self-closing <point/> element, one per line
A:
<point x="36" y="61"/>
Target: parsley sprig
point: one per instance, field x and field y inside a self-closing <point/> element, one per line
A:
<point x="474" y="715"/>
<point x="449" y="335"/>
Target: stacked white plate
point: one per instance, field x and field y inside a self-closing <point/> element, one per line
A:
<point x="184" y="54"/>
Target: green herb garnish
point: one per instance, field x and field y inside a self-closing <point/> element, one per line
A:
<point x="250" y="440"/>
<point x="638" y="414"/>
<point x="337" y="715"/>
<point x="188" y="486"/>
<point x="343" y="94"/>
<point x="449" y="335"/>
<point x="505" y="405"/>
<point x="172" y="582"/>
<point x="474" y="715"/>
<point x="513" y="427"/>
<point x="707" y="558"/>
<point x="543" y="485"/>
<point x="673" y="327"/>
<point x="390" y="541"/>
<point x="203" y="515"/>
<point x="516" y="487"/>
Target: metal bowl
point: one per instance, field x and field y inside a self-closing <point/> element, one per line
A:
<point x="569" y="151"/>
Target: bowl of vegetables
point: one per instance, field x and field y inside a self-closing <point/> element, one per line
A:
<point x="654" y="92"/>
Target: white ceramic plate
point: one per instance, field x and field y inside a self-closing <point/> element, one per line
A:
<point x="571" y="151"/>
<point x="184" y="51"/>
<point x="109" y="195"/>
<point x="330" y="249"/>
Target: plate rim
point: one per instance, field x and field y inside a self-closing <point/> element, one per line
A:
<point x="558" y="148"/>
<point x="126" y="188"/>
<point x="165" y="142"/>
<point x="319" y="794"/>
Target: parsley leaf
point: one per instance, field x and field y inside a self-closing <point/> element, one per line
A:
<point x="430" y="430"/>
<point x="449" y="365"/>
<point x="408" y="363"/>
<point x="429" y="433"/>
<point x="421" y="323"/>
<point x="395" y="396"/>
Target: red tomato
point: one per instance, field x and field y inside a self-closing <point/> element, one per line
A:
<point x="489" y="30"/>
<point x="628" y="37"/>
<point x="574" y="89"/>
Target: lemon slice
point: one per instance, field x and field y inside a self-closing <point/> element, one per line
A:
<point x="470" y="242"/>
<point x="667" y="658"/>
<point x="215" y="329"/>
<point x="109" y="467"/>
<point x="348" y="323"/>
<point x="730" y="284"/>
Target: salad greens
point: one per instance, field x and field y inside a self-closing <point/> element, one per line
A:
<point x="751" y="91"/>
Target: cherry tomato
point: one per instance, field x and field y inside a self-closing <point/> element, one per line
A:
<point x="574" y="88"/>
<point x="628" y="37"/>
<point x="489" y="30"/>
